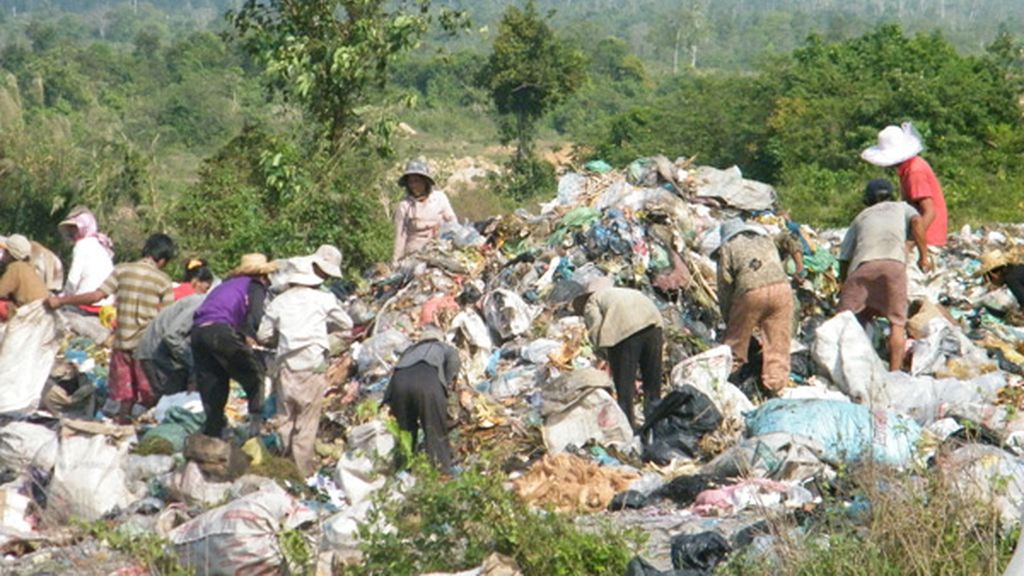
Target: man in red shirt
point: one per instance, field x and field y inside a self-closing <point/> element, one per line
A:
<point x="899" y="146"/>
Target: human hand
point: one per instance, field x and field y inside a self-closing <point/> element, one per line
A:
<point x="925" y="262"/>
<point x="53" y="302"/>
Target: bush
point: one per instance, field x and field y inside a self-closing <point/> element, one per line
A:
<point x="454" y="525"/>
<point x="526" y="179"/>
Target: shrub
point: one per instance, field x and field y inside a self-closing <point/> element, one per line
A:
<point x="449" y="525"/>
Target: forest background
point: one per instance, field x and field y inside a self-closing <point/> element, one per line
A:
<point x="235" y="134"/>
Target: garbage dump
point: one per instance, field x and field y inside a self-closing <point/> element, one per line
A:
<point x="710" y="460"/>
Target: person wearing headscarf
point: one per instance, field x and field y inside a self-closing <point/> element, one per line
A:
<point x="29" y="346"/>
<point x="754" y="293"/>
<point x="223" y="339"/>
<point x="299" y="320"/>
<point x="92" y="262"/>
<point x="872" y="263"/>
<point x="625" y="326"/>
<point x="421" y="213"/>
<point x="288" y="267"/>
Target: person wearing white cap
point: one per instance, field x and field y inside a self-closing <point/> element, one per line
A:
<point x="300" y="318"/>
<point x="900" y="146"/>
<point x="754" y="293"/>
<point x="30" y="344"/>
<point x="328" y="256"/>
<point x="421" y="213"/>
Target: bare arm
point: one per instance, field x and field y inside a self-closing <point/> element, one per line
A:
<point x="84" y="299"/>
<point x="927" y="209"/>
<point x="917" y="228"/>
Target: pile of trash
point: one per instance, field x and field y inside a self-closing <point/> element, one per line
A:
<point x="712" y="461"/>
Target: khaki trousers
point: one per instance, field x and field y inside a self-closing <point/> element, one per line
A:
<point x="300" y="399"/>
<point x="769" y="308"/>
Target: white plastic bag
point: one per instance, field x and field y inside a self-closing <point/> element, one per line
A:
<point x="241" y="536"/>
<point x="843" y="352"/>
<point x="88" y="481"/>
<point x="26" y="357"/>
<point x="506" y="313"/>
<point x="708" y="372"/>
<point x="377" y="355"/>
<point x="23" y="444"/>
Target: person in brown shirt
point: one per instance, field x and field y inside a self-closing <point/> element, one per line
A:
<point x="754" y="293"/>
<point x="20" y="282"/>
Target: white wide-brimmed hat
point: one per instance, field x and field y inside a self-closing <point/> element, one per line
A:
<point x="896" y="144"/>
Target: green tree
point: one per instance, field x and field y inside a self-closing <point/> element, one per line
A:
<point x="529" y="72"/>
<point x="331" y="56"/>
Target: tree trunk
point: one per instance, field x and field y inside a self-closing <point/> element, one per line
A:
<point x="675" y="52"/>
<point x="693" y="56"/>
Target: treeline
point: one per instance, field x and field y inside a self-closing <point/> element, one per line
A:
<point x="233" y="141"/>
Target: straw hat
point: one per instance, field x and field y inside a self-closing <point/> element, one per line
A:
<point x="991" y="261"/>
<point x="254" y="265"/>
<point x="417" y="167"/>
<point x="18" y="247"/>
<point x="896" y="144"/>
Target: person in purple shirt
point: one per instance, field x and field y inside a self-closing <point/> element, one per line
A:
<point x="223" y="335"/>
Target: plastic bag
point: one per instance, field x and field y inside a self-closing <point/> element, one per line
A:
<point x="675" y="425"/>
<point x="708" y="373"/>
<point x="847" y="432"/>
<point x="843" y="353"/>
<point x="27" y="353"/>
<point x="507" y="314"/>
<point x="778" y="456"/>
<point x="241" y="537"/>
<point x="23" y="444"/>
<point x="701" y="551"/>
<point x="379" y="353"/>
<point x="734" y="190"/>
<point x="88" y="481"/>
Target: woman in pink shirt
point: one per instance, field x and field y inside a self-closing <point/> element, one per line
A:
<point x="421" y="213"/>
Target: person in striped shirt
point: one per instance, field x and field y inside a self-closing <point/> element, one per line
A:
<point x="141" y="289"/>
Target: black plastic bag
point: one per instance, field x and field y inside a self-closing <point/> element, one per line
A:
<point x="701" y="552"/>
<point x="630" y="499"/>
<point x="683" y="490"/>
<point x="676" y="424"/>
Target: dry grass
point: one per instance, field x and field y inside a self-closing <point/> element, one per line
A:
<point x="913" y="525"/>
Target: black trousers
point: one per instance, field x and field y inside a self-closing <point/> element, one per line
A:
<point x="418" y="400"/>
<point x="641" y="350"/>
<point x="220" y="354"/>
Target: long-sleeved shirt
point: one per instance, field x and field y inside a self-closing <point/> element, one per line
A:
<point x="417" y="222"/>
<point x="746" y="262"/>
<point x="614" y="314"/>
<point x="167" y="336"/>
<point x="91" y="265"/>
<point x="141" y="290"/>
<point x="237" y="302"/>
<point x="300" y="318"/>
<point x="435" y="353"/>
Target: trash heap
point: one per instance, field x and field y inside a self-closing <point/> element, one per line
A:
<point x="713" y="461"/>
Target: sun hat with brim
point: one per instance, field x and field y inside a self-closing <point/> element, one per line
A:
<point x="595" y="284"/>
<point x="896" y="144"/>
<point x="992" y="261"/>
<point x="18" y="247"/>
<point x="303" y="274"/>
<point x="417" y="167"/>
<point x="433" y="332"/>
<point x="254" y="265"/>
<point x="328" y="258"/>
